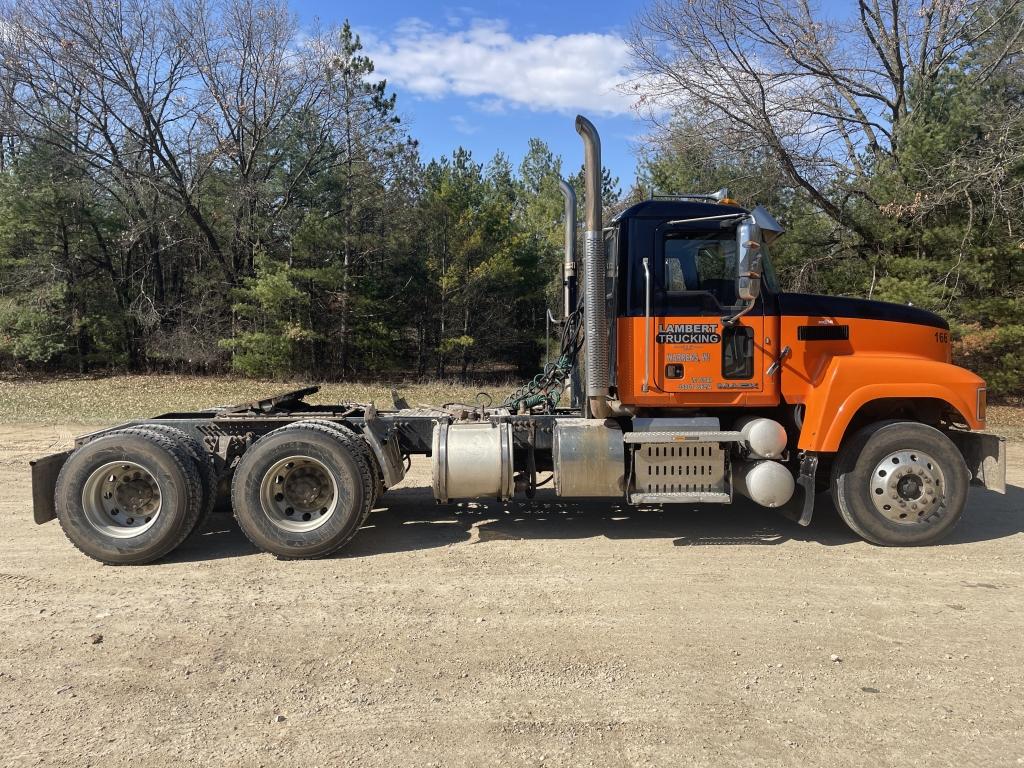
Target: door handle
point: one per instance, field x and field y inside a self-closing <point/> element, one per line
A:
<point x="774" y="367"/>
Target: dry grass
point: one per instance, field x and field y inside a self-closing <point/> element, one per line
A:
<point x="81" y="400"/>
<point x="106" y="400"/>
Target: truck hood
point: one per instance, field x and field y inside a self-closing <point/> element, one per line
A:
<point x="813" y="305"/>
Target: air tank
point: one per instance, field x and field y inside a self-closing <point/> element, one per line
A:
<point x="764" y="438"/>
<point x="767" y="483"/>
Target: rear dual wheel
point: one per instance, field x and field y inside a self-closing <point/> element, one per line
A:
<point x="900" y="484"/>
<point x="129" y="497"/>
<point x="193" y="449"/>
<point x="304" y="490"/>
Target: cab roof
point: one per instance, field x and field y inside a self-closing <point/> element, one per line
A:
<point x="664" y="208"/>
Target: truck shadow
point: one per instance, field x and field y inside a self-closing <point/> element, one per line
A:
<point x="408" y="519"/>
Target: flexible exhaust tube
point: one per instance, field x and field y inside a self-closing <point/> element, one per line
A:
<point x="569" y="263"/>
<point x="595" y="323"/>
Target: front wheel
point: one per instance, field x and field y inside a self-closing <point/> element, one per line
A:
<point x="899" y="483"/>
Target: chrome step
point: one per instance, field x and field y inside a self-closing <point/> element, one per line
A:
<point x="687" y="497"/>
<point x="684" y="436"/>
<point x="680" y="473"/>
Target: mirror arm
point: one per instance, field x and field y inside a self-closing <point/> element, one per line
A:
<point x="733" y="319"/>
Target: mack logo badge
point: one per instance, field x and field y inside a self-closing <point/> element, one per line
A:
<point x="688" y="333"/>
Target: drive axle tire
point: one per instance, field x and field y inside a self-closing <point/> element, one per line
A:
<point x="184" y="442"/>
<point x="359" y="444"/>
<point x="899" y="483"/>
<point x="128" y="497"/>
<point x="302" y="491"/>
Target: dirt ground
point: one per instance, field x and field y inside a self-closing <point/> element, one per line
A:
<point x="542" y="634"/>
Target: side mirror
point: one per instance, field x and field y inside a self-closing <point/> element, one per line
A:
<point x="748" y="260"/>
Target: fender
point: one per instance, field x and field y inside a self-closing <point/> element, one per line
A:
<point x="851" y="381"/>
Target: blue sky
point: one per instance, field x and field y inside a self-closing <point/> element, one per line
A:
<point x="490" y="75"/>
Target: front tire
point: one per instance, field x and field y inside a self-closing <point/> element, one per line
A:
<point x="302" y="491"/>
<point x="898" y="483"/>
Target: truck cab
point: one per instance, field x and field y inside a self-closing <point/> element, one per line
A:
<point x="684" y="338"/>
<point x="674" y="289"/>
<point x="722" y="382"/>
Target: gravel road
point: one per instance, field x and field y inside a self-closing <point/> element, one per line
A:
<point x="548" y="634"/>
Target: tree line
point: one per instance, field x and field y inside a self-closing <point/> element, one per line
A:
<point x="206" y="186"/>
<point x="198" y="186"/>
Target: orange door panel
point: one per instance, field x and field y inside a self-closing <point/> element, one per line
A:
<point x="681" y="359"/>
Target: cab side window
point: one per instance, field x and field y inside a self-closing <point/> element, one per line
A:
<point x="700" y="264"/>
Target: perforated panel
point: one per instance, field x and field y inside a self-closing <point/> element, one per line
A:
<point x="680" y="468"/>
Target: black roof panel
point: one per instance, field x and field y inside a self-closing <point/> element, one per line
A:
<point x="665" y="209"/>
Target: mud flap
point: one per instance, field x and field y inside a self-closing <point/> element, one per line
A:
<point x="985" y="456"/>
<point x="385" y="447"/>
<point x="44" y="483"/>
<point x="801" y="509"/>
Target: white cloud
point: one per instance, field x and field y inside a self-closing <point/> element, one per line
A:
<point x="484" y="61"/>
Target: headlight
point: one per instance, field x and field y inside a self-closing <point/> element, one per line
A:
<point x="982" y="403"/>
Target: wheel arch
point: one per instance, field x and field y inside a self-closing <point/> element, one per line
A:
<point x="858" y="390"/>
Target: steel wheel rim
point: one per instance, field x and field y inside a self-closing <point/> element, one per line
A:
<point x="908" y="487"/>
<point x="121" y="499"/>
<point x="299" y="494"/>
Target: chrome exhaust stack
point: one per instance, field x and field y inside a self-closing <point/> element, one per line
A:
<point x="569" y="262"/>
<point x="570" y="284"/>
<point x="595" y="323"/>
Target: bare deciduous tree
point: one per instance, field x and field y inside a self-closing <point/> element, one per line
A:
<point x="103" y="84"/>
<point x="826" y="99"/>
<point x="262" y="84"/>
<point x="158" y="98"/>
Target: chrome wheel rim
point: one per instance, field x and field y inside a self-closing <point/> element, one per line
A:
<point x="908" y="487"/>
<point x="121" y="499"/>
<point x="299" y="494"/>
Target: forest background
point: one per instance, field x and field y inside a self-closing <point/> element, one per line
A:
<point x="205" y="186"/>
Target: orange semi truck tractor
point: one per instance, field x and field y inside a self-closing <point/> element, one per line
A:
<point x="686" y="376"/>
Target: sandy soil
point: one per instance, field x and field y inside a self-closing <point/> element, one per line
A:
<point x="547" y="634"/>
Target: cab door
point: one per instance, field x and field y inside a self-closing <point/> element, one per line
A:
<point x="688" y="356"/>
